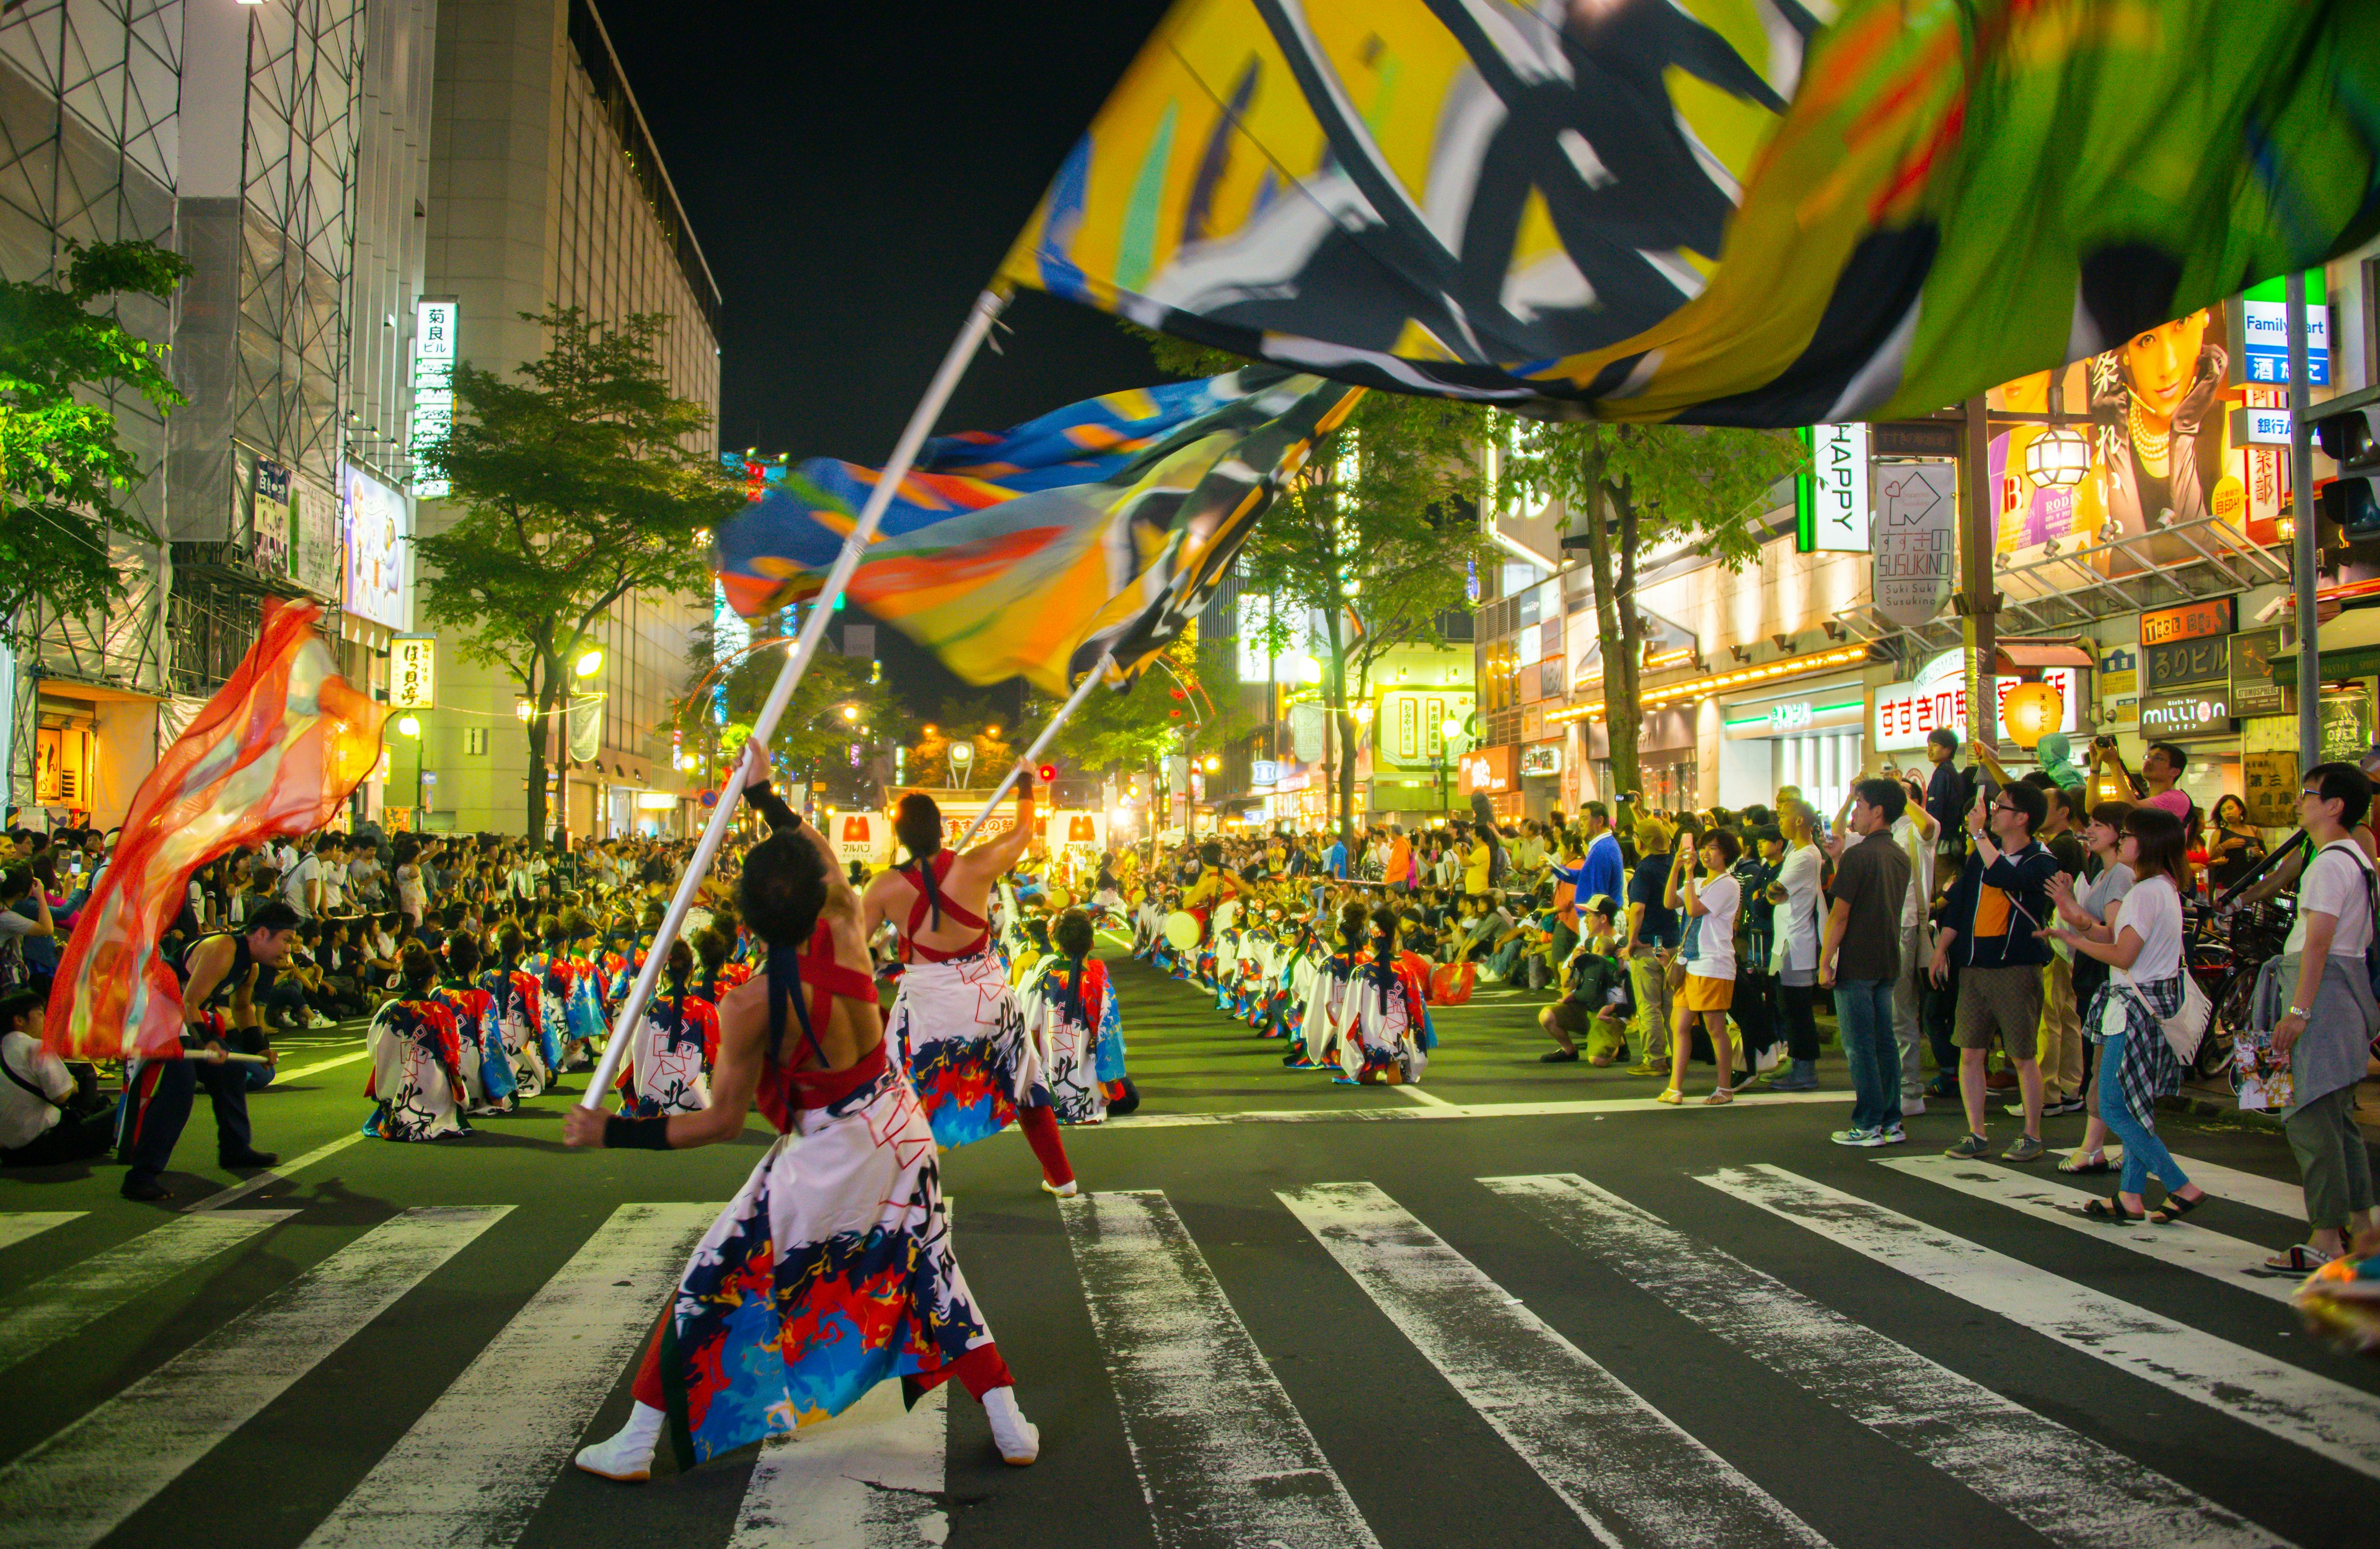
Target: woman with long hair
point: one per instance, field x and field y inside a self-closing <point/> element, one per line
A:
<point x="673" y="1047"/>
<point x="417" y="1054"/>
<point x="1325" y="999"/>
<point x="1794" y="957"/>
<point x="831" y="1270"/>
<point x="2141" y="943"/>
<point x="2233" y="845"/>
<point x="956" y="1028"/>
<point x="1387" y="1035"/>
<point x="2086" y="910"/>
<point x="1072" y="1012"/>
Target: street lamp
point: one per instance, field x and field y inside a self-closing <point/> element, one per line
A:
<point x="588" y="664"/>
<point x="851" y="713"/>
<point x="962" y="755"/>
<point x="1448" y="729"/>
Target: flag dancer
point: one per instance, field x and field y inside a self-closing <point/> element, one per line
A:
<point x="957" y="1026"/>
<point x="220" y="997"/>
<point x="831" y="1270"/>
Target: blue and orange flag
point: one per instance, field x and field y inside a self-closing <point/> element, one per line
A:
<point x="1723" y="212"/>
<point x="275" y="752"/>
<point x="1098" y="529"/>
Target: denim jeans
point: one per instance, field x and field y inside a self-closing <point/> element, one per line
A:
<point x="2143" y="1152"/>
<point x="1863" y="1016"/>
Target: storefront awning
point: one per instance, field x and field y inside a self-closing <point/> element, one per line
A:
<point x="2022" y="655"/>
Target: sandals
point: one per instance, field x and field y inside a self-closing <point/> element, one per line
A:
<point x="2074" y="1166"/>
<point x="2112" y="1209"/>
<point x="2296" y="1259"/>
<point x="1670" y="1096"/>
<point x="1720" y="1098"/>
<point x="2175" y="1207"/>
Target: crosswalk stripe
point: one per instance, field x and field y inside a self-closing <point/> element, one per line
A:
<point x="2067" y="1488"/>
<point x="50" y="1309"/>
<point x="79" y="1485"/>
<point x="276" y="1174"/>
<point x="1610" y="1456"/>
<point x="870" y="1478"/>
<point x="1222" y="1455"/>
<point x="2316" y="1412"/>
<point x="2276" y="1196"/>
<point x="2182" y="1244"/>
<point x="526" y="1398"/>
<point x="18" y="1224"/>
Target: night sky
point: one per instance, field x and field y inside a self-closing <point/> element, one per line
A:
<point x="853" y="174"/>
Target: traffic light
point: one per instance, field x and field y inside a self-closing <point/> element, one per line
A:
<point x="2348" y="429"/>
<point x="1046" y="774"/>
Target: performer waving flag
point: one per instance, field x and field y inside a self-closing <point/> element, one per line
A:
<point x="831" y="1270"/>
<point x="274" y="752"/>
<point x="956" y="1027"/>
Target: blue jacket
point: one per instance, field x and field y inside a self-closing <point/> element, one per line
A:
<point x="2022" y="879"/>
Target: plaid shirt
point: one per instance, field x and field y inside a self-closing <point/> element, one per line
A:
<point x="2147" y="1070"/>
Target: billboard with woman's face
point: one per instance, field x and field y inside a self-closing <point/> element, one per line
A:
<point x="2153" y="452"/>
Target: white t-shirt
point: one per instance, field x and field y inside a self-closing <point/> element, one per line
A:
<point x="1797" y="917"/>
<point x="2151" y="910"/>
<point x="2333" y="885"/>
<point x="1714" y="955"/>
<point x="334" y="886"/>
<point x="23" y="1117"/>
<point x="1913" y="908"/>
<point x="292" y="884"/>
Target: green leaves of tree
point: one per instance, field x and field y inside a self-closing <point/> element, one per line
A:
<point x="64" y="475"/>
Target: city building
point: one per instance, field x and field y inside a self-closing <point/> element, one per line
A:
<point x="545" y="188"/>
<point x="282" y="149"/>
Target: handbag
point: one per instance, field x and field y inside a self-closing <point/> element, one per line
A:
<point x="2187" y="1028"/>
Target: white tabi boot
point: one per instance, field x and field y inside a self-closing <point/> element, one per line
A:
<point x="1019" y="1439"/>
<point x="628" y="1457"/>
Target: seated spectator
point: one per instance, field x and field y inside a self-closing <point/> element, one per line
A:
<point x="49" y="1111"/>
<point x="1594" y="994"/>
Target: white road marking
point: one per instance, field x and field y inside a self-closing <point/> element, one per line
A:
<point x="1612" y="1457"/>
<point x="527" y="1397"/>
<point x="80" y="1484"/>
<point x="2067" y="1487"/>
<point x="870" y="1478"/>
<point x="2316" y="1412"/>
<point x="2274" y="1195"/>
<point x="320" y="1066"/>
<point x="1146" y="1120"/>
<point x="1222" y="1455"/>
<point x="1426" y="1099"/>
<point x="33" y="1319"/>
<point x="18" y="1224"/>
<point x="274" y="1174"/>
<point x="2182" y="1244"/>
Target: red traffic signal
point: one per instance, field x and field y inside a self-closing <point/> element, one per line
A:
<point x="1046" y="774"/>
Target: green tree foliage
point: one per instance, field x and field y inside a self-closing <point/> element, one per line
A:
<point x="580" y="483"/>
<point x="64" y="476"/>
<point x="1374" y="539"/>
<point x="1132" y="731"/>
<point x="974" y="722"/>
<point x="1630" y="488"/>
<point x="837" y="704"/>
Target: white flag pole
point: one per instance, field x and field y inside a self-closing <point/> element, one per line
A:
<point x="905" y="453"/>
<point x="1033" y="754"/>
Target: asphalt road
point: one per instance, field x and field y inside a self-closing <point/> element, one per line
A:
<point x="1519" y="1304"/>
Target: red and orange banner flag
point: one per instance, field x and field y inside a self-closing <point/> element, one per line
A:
<point x="275" y="752"/>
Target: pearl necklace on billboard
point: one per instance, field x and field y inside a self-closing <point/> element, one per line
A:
<point x="2154" y="446"/>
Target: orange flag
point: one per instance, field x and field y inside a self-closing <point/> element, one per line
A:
<point x="275" y="752"/>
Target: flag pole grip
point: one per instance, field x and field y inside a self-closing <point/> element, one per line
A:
<point x="987" y="307"/>
<point x="1033" y="754"/>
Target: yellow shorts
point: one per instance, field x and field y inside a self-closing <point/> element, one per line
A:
<point x="1709" y="995"/>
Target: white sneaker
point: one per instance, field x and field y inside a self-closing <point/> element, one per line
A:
<point x="1019" y="1439"/>
<point x="628" y="1457"/>
<point x="1065" y="1190"/>
<point x="1895" y="1136"/>
<point x="321" y="1021"/>
<point x="1858" y="1137"/>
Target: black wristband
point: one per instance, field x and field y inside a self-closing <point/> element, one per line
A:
<point x="623" y="1133"/>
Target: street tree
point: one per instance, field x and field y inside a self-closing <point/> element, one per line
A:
<point x="975" y="722"/>
<point x="837" y="706"/>
<point x="64" y="476"/>
<point x="1167" y="711"/>
<point x="1368" y="549"/>
<point x="580" y="483"/>
<point x="1629" y="488"/>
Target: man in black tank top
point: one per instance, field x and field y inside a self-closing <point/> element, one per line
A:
<point x="216" y="1001"/>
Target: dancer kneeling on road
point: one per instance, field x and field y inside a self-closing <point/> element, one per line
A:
<point x="762" y="1334"/>
<point x="957" y="1026"/>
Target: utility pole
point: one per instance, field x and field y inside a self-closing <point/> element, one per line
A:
<point x="1978" y="604"/>
<point x="2302" y="521"/>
